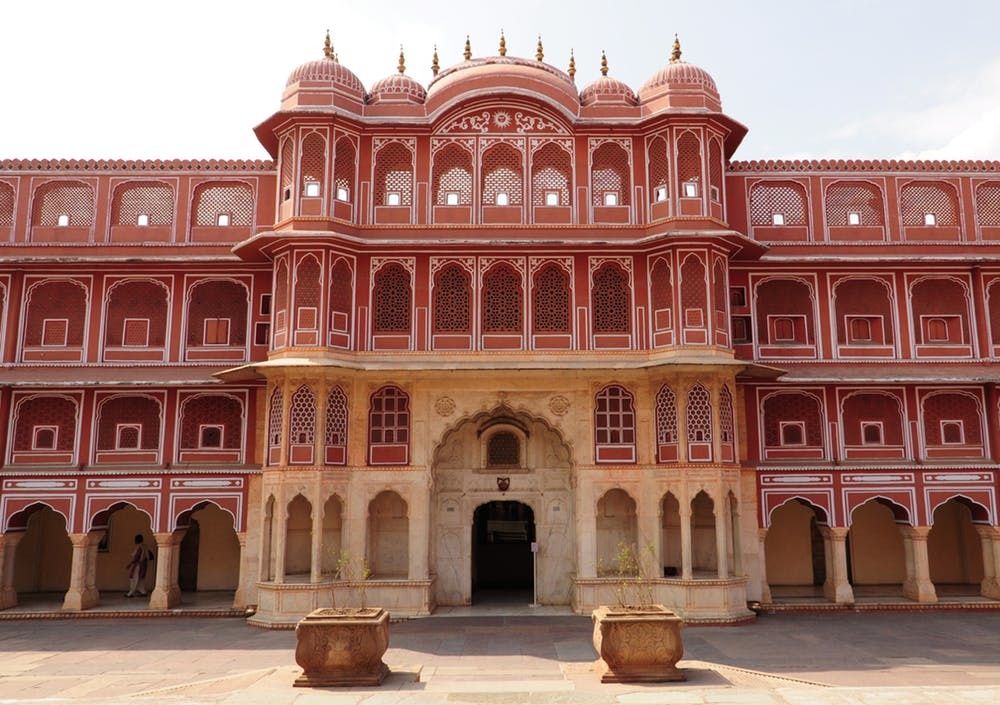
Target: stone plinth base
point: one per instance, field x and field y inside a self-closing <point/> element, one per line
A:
<point x="340" y="647"/>
<point x="713" y="601"/>
<point x="638" y="645"/>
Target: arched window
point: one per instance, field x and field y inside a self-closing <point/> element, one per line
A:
<point x="727" y="425"/>
<point x="128" y="423"/>
<point x="792" y="419"/>
<point x="389" y="427"/>
<point x="452" y="181"/>
<point x="211" y="422"/>
<point x="777" y="203"/>
<point x="341" y="303"/>
<point x="63" y="203"/>
<point x="689" y="165"/>
<point x="987" y="203"/>
<point x="784" y="310"/>
<point x="45" y="423"/>
<point x="715" y="169"/>
<point x="502" y="300"/>
<point x="136" y="315"/>
<point x="142" y="203"/>
<point x="274" y="422"/>
<point x="307" y="300"/>
<point x="551" y="305"/>
<point x="950" y="415"/>
<point x="392" y="300"/>
<point x="217" y="314"/>
<point x="614" y="425"/>
<point x="699" y="424"/>
<point x="453" y="300"/>
<point x="287" y="162"/>
<point x="313" y="166"/>
<point x="503" y="450"/>
<point x="662" y="295"/>
<point x="928" y="203"/>
<point x="720" y="295"/>
<point x="940" y="312"/>
<point x="659" y="170"/>
<point x="344" y="170"/>
<point x="694" y="292"/>
<point x="610" y="184"/>
<point x="502" y="176"/>
<point x="610" y="300"/>
<point x="394" y="175"/>
<point x="854" y="203"/>
<point x="302" y="417"/>
<point x="864" y="312"/>
<point x="551" y="176"/>
<point x="223" y="204"/>
<point x="6" y="205"/>
<point x="666" y="425"/>
<point x="872" y="419"/>
<point x="56" y="314"/>
<point x="336" y="427"/>
<point x="280" y="303"/>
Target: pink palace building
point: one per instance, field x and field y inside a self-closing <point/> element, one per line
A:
<point x="448" y="324"/>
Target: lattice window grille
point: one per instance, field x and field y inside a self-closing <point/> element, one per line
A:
<point x="139" y="410"/>
<point x="49" y="411"/>
<point x="56" y="199"/>
<point x="659" y="170"/>
<point x="452" y="300"/>
<point x="987" y="203"/>
<point x="792" y="407"/>
<point x="551" y="172"/>
<point x="394" y="174"/>
<point x="215" y="409"/>
<point x="390" y="416"/>
<point x="862" y="199"/>
<point x="699" y="415"/>
<point x="215" y="199"/>
<point x="666" y="416"/>
<point x="336" y="418"/>
<point x="614" y="418"/>
<point x="715" y="169"/>
<point x="720" y="282"/>
<point x="452" y="175"/>
<point x="154" y="200"/>
<point x="393" y="297"/>
<point x="281" y="295"/>
<point x="307" y="284"/>
<point x="609" y="173"/>
<point x="918" y="199"/>
<point x="274" y="414"/>
<point x="344" y="169"/>
<point x="502" y="301"/>
<point x="611" y="300"/>
<point x="662" y="286"/>
<point x="952" y="407"/>
<point x="551" y="300"/>
<point x="59" y="300"/>
<point x="502" y="173"/>
<point x="341" y="289"/>
<point x="693" y="284"/>
<point x="726" y="422"/>
<point x="302" y="417"/>
<point x="784" y="198"/>
<point x="137" y="300"/>
<point x="313" y="165"/>
<point x="6" y="205"/>
<point x="287" y="166"/>
<point x="503" y="450"/>
<point x="689" y="158"/>
<point x="217" y="299"/>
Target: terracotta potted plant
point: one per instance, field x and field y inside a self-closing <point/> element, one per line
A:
<point x="343" y="646"/>
<point x="636" y="641"/>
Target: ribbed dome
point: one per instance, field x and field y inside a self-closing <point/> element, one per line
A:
<point x="328" y="70"/>
<point x="679" y="74"/>
<point x="397" y="87"/>
<point x="607" y="90"/>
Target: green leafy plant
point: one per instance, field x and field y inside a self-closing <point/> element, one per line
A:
<point x="633" y="587"/>
<point x="355" y="572"/>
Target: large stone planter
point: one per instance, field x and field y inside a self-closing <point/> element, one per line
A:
<point x="638" y="645"/>
<point x="340" y="647"/>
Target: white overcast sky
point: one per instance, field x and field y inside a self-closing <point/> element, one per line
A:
<point x="172" y="79"/>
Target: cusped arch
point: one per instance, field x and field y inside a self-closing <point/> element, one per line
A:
<point x="900" y="513"/>
<point x="980" y="513"/>
<point x="823" y="514"/>
<point x="100" y="518"/>
<point x="18" y="521"/>
<point x="182" y="519"/>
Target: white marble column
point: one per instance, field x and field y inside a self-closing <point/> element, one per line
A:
<point x="280" y="538"/>
<point x="736" y="527"/>
<point x="166" y="590"/>
<point x="8" y="552"/>
<point x="586" y="527"/>
<point x="989" y="537"/>
<point x="918" y="585"/>
<point x="687" y="573"/>
<point x="419" y="532"/>
<point x="240" y="598"/>
<point x="765" y="588"/>
<point x="316" y="546"/>
<point x="265" y="567"/>
<point x="81" y="594"/>
<point x="836" y="587"/>
<point x="721" y="540"/>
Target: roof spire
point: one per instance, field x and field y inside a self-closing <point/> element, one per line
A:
<point x="328" y="46"/>
<point x="539" y="52"/>
<point x="435" y="66"/>
<point x="572" y="66"/>
<point x="604" y="63"/>
<point x="503" y="44"/>
<point x="401" y="67"/>
<point x="675" y="54"/>
<point x="467" y="54"/>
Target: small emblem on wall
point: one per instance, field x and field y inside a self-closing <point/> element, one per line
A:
<point x="503" y="484"/>
<point x="444" y="406"/>
<point x="559" y="405"/>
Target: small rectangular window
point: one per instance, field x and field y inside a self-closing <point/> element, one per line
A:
<point x="937" y="330"/>
<point x="142" y="220"/>
<point x="871" y="433"/>
<point x="451" y="198"/>
<point x="216" y="331"/>
<point x="854" y="218"/>
<point x="783" y="330"/>
<point x="343" y="194"/>
<point x="552" y="198"/>
<point x="741" y="329"/>
<point x="265" y="304"/>
<point x="930" y="219"/>
<point x="54" y="332"/>
<point x="63" y="220"/>
<point x="127" y="436"/>
<point x="210" y="436"/>
<point x="611" y="198"/>
<point x="777" y="219"/>
<point x="737" y="296"/>
<point x="952" y="432"/>
<point x="502" y="199"/>
<point x="716" y="196"/>
<point x="691" y="189"/>
<point x="44" y="437"/>
<point x="312" y="189"/>
<point x="286" y="194"/>
<point x="393" y="198"/>
<point x="223" y="220"/>
<point x="661" y="194"/>
<point x="793" y="433"/>
<point x="261" y="333"/>
<point x="135" y="332"/>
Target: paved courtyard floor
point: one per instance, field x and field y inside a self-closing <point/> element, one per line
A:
<point x="509" y="660"/>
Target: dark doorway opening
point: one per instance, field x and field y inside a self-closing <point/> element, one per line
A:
<point x="187" y="569"/>
<point x="502" y="564"/>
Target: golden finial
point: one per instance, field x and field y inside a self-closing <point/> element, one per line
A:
<point x="572" y="66"/>
<point x="401" y="67"/>
<point x="539" y="53"/>
<point x="503" y="45"/>
<point x="604" y="63"/>
<point x="328" y="46"/>
<point x="468" y="49"/>
<point x="675" y="54"/>
<point x="435" y="66"/>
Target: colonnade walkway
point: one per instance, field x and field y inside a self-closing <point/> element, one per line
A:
<point x="793" y="658"/>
